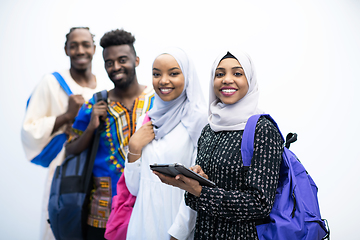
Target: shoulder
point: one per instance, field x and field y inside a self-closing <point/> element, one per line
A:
<point x="206" y="133"/>
<point x="266" y="127"/>
<point x="48" y="87"/>
<point x="48" y="80"/>
<point x="206" y="129"/>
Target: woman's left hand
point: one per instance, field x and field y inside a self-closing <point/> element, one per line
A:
<point x="188" y="184"/>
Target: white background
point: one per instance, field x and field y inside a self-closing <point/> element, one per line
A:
<point x="306" y="54"/>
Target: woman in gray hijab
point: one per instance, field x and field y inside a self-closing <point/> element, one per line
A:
<point x="177" y="118"/>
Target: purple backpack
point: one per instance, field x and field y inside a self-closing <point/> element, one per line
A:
<point x="296" y="213"/>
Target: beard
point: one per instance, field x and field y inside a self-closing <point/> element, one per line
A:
<point x="125" y="83"/>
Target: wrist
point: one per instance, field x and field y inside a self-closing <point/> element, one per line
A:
<point x="134" y="149"/>
<point x="68" y="117"/>
<point x="198" y="191"/>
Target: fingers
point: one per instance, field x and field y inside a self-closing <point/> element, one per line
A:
<point x="68" y="128"/>
<point x="100" y="109"/>
<point x="199" y="171"/>
<point x="180" y="181"/>
<point x="196" y="169"/>
<point x="165" y="179"/>
<point x="101" y="103"/>
<point x="76" y="101"/>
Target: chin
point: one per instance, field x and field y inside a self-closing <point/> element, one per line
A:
<point x="81" y="68"/>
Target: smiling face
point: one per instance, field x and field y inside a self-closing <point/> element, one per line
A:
<point x="120" y="63"/>
<point x="80" y="48"/>
<point x="230" y="83"/>
<point x="168" y="79"/>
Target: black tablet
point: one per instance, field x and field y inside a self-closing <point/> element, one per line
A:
<point x="176" y="168"/>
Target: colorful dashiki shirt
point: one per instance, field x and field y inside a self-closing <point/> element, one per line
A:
<point x="113" y="147"/>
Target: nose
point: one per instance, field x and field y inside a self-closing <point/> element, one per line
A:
<point x="81" y="50"/>
<point x="164" y="80"/>
<point x="227" y="79"/>
<point x="117" y="65"/>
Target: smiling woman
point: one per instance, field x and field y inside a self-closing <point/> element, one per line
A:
<point x="177" y="117"/>
<point x="230" y="82"/>
<point x="168" y="79"/>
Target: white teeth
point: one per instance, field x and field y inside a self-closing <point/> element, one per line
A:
<point x="165" y="90"/>
<point x="228" y="90"/>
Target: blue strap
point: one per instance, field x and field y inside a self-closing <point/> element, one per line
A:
<point x="53" y="148"/>
<point x="50" y="151"/>
<point x="62" y="83"/>
<point x="247" y="142"/>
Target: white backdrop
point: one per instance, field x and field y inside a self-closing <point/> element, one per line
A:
<point x="306" y="54"/>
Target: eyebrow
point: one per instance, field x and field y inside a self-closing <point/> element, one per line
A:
<point x="76" y="42"/>
<point x="174" y="68"/>
<point x="231" y="68"/>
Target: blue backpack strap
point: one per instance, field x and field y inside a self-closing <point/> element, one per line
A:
<point x="62" y="83"/>
<point x="52" y="149"/>
<point x="247" y="142"/>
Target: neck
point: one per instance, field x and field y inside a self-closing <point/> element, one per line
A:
<point x="84" y="78"/>
<point x="119" y="94"/>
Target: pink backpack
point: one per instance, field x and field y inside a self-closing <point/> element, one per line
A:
<point x="121" y="209"/>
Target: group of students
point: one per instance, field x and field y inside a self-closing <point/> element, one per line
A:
<point x="181" y="129"/>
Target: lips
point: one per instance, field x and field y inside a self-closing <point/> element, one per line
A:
<point x="165" y="90"/>
<point x="81" y="60"/>
<point x="117" y="75"/>
<point x="226" y="91"/>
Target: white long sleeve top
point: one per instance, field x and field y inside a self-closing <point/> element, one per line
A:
<point x="157" y="204"/>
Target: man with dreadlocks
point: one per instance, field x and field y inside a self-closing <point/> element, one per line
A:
<point x="53" y="106"/>
<point x="126" y="102"/>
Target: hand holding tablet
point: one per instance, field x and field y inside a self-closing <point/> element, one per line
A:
<point x="176" y="169"/>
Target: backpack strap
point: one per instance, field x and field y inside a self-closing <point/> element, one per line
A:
<point x="247" y="142"/>
<point x="99" y="96"/>
<point x="62" y="83"/>
<point x="52" y="149"/>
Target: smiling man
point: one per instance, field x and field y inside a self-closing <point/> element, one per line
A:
<point x="126" y="102"/>
<point x="51" y="111"/>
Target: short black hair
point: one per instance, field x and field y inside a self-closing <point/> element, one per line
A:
<point x="74" y="28"/>
<point x="117" y="37"/>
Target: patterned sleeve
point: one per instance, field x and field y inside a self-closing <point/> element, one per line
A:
<point x="256" y="201"/>
<point x="82" y="120"/>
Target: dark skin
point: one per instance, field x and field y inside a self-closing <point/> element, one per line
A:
<point x="188" y="184"/>
<point x="120" y="64"/>
<point x="80" y="48"/>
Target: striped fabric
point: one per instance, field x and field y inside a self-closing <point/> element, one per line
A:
<point x="110" y="159"/>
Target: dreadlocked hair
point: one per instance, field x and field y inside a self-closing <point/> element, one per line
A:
<point x="73" y="29"/>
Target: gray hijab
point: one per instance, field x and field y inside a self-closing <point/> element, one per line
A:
<point x="189" y="108"/>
